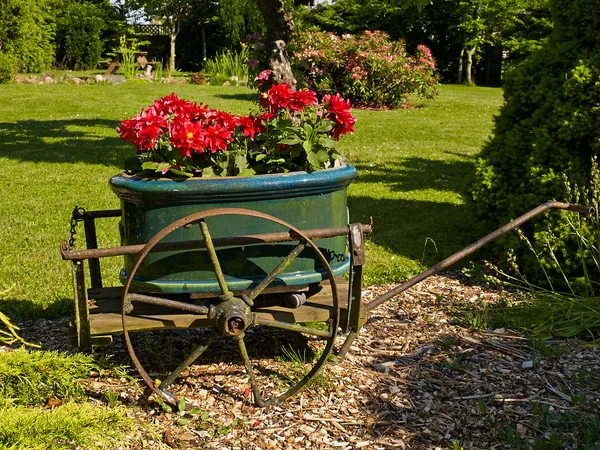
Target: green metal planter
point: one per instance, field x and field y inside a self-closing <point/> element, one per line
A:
<point x="305" y="200"/>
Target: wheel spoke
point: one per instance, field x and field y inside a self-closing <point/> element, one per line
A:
<point x="279" y="269"/>
<point x="203" y="310"/>
<point x="190" y="359"/>
<point x="292" y="327"/>
<point x="255" y="391"/>
<point x="212" y="253"/>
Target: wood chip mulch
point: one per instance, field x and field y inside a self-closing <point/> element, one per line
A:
<point x="415" y="377"/>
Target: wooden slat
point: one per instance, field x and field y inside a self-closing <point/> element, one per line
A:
<point x="105" y="314"/>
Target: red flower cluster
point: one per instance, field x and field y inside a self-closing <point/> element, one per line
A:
<point x="190" y="127"/>
<point x="191" y="137"/>
<point x="282" y="96"/>
<point x="338" y="110"/>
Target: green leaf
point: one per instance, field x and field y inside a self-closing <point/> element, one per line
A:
<point x="204" y="416"/>
<point x="149" y="165"/>
<point x="195" y="411"/>
<point x="313" y="160"/>
<point x="276" y="161"/>
<point x="208" y="172"/>
<point x="181" y="404"/>
<point x="324" y="126"/>
<point x="308" y="146"/>
<point x="240" y="162"/>
<point x="182" y="421"/>
<point x="290" y="140"/>
<point x="260" y="157"/>
<point x="247" y="172"/>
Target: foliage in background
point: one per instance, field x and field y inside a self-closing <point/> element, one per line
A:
<point x="229" y="63"/>
<point x="502" y="32"/>
<point x="7" y="68"/>
<point x="27" y="32"/>
<point x="548" y="126"/>
<point x="79" y="28"/>
<point x="370" y="70"/>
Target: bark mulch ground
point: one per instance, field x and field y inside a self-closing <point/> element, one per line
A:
<point x="417" y="377"/>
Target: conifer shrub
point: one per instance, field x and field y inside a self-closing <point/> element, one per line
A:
<point x="547" y="129"/>
<point x="7" y="68"/>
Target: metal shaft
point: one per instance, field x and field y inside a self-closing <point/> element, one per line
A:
<point x="476" y="246"/>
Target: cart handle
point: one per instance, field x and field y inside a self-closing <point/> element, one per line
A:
<point x="550" y="204"/>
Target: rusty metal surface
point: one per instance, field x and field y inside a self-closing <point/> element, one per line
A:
<point x="68" y="253"/>
<point x="551" y="204"/>
<point x="227" y="299"/>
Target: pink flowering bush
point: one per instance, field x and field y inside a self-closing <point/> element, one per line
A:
<point x="291" y="132"/>
<point x="370" y="70"/>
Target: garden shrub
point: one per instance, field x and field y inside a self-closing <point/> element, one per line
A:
<point x="370" y="69"/>
<point x="78" y="36"/>
<point x="7" y="68"/>
<point x="547" y="128"/>
<point x="27" y="33"/>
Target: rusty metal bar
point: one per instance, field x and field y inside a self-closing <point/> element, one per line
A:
<point x="99" y="214"/>
<point x="291" y="327"/>
<point x="203" y="310"/>
<point x="212" y="253"/>
<point x="551" y="204"/>
<point x="267" y="238"/>
<point x="249" y="299"/>
<point x="91" y="242"/>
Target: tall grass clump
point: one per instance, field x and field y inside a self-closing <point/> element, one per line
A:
<point x="571" y="308"/>
<point x="228" y="64"/>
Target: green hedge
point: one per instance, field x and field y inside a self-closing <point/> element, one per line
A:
<point x="549" y="126"/>
<point x="7" y="68"/>
<point x="27" y="33"/>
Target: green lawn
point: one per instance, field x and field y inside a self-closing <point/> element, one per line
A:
<point x="59" y="147"/>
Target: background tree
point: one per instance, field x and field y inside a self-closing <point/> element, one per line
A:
<point x="27" y="33"/>
<point x="79" y="27"/>
<point x="279" y="25"/>
<point x="170" y="12"/>
<point x="547" y="127"/>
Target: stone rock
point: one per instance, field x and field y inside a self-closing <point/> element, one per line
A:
<point x="116" y="79"/>
<point x="227" y="83"/>
<point x="242" y="83"/>
<point x="49" y="80"/>
<point x="68" y="77"/>
<point x="98" y="78"/>
<point x="77" y="81"/>
<point x="234" y="79"/>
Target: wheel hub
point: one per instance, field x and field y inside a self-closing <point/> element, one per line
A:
<point x="232" y="316"/>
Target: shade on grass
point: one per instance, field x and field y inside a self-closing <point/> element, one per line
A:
<point x="59" y="147"/>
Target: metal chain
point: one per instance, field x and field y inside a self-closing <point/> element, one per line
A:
<point x="76" y="217"/>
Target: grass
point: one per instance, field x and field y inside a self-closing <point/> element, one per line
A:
<point x="58" y="148"/>
<point x="71" y="425"/>
<point x="43" y="403"/>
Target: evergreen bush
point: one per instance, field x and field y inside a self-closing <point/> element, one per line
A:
<point x="27" y="33"/>
<point x="7" y="68"/>
<point x="547" y="129"/>
<point x="78" y="36"/>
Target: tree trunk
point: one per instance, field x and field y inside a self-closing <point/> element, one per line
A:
<point x="460" y="65"/>
<point x="279" y="26"/>
<point x="173" y="32"/>
<point x="203" y="37"/>
<point x="469" y="67"/>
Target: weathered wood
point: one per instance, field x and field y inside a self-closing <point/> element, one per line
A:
<point x="82" y="318"/>
<point x="105" y="313"/>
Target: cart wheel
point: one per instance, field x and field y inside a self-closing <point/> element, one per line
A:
<point x="231" y="317"/>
